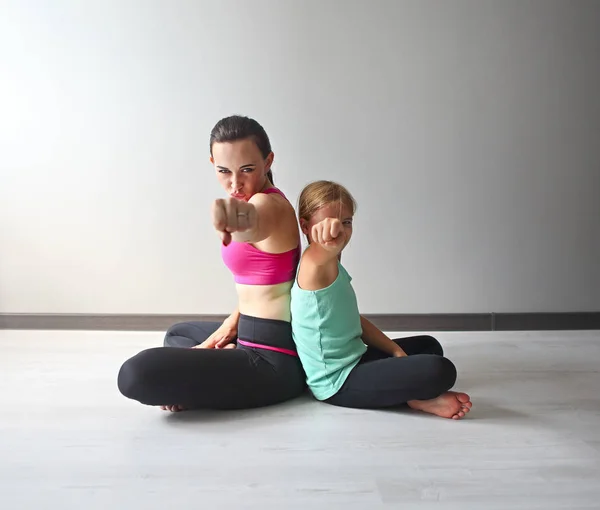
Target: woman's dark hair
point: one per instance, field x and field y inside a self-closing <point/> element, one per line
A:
<point x="237" y="127"/>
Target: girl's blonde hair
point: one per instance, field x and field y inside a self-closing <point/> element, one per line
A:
<point x="321" y="193"/>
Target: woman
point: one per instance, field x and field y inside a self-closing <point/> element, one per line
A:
<point x="250" y="359"/>
<point x="348" y="361"/>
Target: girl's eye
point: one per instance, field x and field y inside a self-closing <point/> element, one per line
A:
<point x="248" y="170"/>
<point x="223" y="171"/>
<point x="348" y="222"/>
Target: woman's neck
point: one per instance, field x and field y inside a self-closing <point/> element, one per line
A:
<point x="268" y="185"/>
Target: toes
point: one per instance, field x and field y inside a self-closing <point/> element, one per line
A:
<point x="463" y="398"/>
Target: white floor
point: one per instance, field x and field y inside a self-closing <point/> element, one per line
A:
<point x="69" y="440"/>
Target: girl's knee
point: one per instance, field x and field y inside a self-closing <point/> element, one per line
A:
<point x="433" y="345"/>
<point x="445" y="372"/>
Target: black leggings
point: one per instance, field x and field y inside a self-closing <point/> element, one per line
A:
<point x="380" y="380"/>
<point x="244" y="377"/>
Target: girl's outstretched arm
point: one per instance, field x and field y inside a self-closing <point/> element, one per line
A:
<point x="319" y="264"/>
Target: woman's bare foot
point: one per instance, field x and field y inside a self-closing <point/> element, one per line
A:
<point x="173" y="409"/>
<point x="448" y="405"/>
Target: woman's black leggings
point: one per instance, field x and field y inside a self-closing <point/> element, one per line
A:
<point x="380" y="380"/>
<point x="244" y="377"/>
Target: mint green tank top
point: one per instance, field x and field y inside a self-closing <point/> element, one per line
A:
<point x="327" y="332"/>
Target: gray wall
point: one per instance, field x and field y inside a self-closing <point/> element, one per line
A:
<point x="468" y="130"/>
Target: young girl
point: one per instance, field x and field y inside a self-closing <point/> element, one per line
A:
<point x="348" y="361"/>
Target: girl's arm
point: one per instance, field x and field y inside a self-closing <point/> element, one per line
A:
<point x="318" y="266"/>
<point x="374" y="337"/>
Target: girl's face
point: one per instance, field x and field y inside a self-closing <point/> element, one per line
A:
<point x="240" y="167"/>
<point x="335" y="210"/>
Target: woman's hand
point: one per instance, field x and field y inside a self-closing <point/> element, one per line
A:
<point x="221" y="338"/>
<point x="230" y="215"/>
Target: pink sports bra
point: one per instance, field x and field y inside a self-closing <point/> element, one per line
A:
<point x="251" y="266"/>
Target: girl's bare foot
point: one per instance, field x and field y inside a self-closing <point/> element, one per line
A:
<point x="173" y="409"/>
<point x="448" y="405"/>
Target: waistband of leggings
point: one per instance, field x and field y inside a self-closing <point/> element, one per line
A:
<point x="267" y="347"/>
<point x="270" y="334"/>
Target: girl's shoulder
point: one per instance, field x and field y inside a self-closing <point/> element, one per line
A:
<point x="314" y="277"/>
<point x="343" y="271"/>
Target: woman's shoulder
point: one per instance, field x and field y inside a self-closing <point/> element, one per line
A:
<point x="277" y="219"/>
<point x="271" y="196"/>
<point x="274" y="191"/>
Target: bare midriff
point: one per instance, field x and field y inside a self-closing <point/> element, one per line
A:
<point x="265" y="301"/>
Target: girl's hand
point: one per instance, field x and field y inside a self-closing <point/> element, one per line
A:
<point x="329" y="233"/>
<point x="221" y="338"/>
<point x="399" y="353"/>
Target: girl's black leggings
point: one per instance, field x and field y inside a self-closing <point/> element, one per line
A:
<point x="380" y="380"/>
<point x="244" y="377"/>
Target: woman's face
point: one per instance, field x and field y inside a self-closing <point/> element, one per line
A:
<point x="240" y="167"/>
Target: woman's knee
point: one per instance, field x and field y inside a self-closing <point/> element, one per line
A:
<point x="136" y="374"/>
<point x="178" y="336"/>
<point x="170" y="339"/>
<point x="188" y="334"/>
<point x="171" y="333"/>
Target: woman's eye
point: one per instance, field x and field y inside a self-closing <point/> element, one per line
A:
<point x="247" y="169"/>
<point x="223" y="171"/>
<point x="347" y="222"/>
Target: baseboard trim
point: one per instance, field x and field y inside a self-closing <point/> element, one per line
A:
<point x="546" y="321"/>
<point x="386" y="322"/>
<point x="99" y="322"/>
